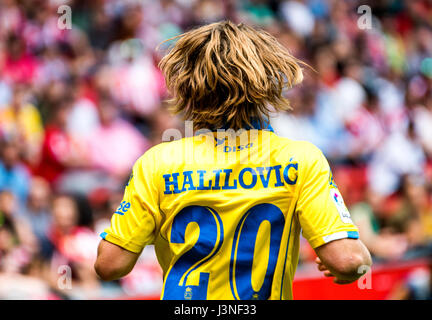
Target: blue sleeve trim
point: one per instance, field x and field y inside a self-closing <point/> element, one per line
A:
<point x="103" y="235"/>
<point x="353" y="234"/>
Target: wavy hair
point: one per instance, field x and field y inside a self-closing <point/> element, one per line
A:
<point x="224" y="75"/>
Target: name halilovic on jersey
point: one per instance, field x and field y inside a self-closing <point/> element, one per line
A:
<point x="226" y="221"/>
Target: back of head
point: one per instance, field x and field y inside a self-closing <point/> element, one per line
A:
<point x="223" y="75"/>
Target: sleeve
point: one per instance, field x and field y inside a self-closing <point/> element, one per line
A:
<point x="321" y="210"/>
<point x="135" y="222"/>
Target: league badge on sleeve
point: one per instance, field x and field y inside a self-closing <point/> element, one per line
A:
<point x="340" y="205"/>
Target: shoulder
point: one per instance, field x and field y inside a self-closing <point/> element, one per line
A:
<point x="298" y="148"/>
<point x="167" y="146"/>
<point x="164" y="153"/>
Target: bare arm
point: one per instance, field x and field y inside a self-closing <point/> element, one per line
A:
<point x="113" y="262"/>
<point x="343" y="259"/>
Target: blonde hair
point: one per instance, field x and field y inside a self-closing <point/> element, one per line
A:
<point x="225" y="75"/>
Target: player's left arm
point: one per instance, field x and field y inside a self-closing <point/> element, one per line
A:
<point x="113" y="261"/>
<point x="326" y="222"/>
<point x="343" y="259"/>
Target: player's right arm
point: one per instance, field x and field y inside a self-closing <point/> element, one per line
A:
<point x="134" y="224"/>
<point x="326" y="222"/>
<point x="114" y="262"/>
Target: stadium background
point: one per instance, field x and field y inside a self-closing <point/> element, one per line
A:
<point x="79" y="105"/>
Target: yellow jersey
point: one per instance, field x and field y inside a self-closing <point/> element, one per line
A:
<point x="225" y="211"/>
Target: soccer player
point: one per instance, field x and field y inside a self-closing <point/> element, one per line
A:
<point x="225" y="207"/>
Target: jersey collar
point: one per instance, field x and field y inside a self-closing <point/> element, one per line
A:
<point x="264" y="126"/>
<point x="255" y="124"/>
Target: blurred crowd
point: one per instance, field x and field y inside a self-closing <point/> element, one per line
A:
<point x="79" y="105"/>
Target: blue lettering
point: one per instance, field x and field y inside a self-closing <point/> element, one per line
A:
<point x="214" y="182"/>
<point x="201" y="181"/>
<point x="286" y="173"/>
<point x="226" y="186"/>
<point x="219" y="141"/>
<point x="123" y="208"/>
<point x="279" y="182"/>
<point x="254" y="178"/>
<point x="265" y="181"/>
<point x="217" y="179"/>
<point x="169" y="183"/>
<point x="188" y="181"/>
<point x="237" y="148"/>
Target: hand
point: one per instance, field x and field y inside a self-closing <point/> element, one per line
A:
<point x="327" y="272"/>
